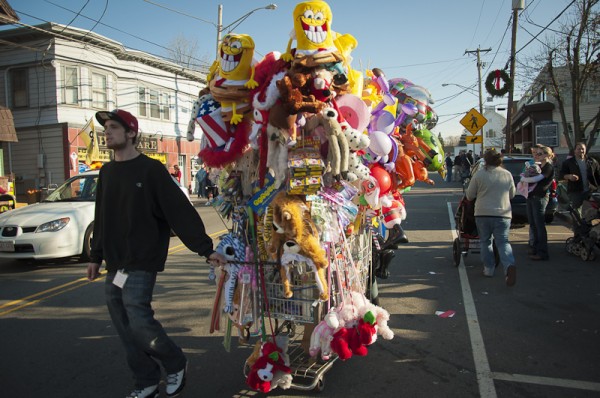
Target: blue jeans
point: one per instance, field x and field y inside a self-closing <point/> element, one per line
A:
<point x="538" y="237"/>
<point x="143" y="336"/>
<point x="498" y="227"/>
<point x="449" y="174"/>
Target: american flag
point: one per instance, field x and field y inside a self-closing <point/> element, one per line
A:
<point x="210" y="120"/>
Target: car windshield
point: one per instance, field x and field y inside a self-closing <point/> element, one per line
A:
<point x="79" y="188"/>
<point x="514" y="166"/>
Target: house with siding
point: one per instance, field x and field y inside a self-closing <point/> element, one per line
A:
<point x="55" y="78"/>
<point x="537" y="115"/>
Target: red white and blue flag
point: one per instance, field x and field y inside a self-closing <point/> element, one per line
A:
<point x="211" y="121"/>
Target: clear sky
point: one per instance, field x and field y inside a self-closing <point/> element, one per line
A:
<point x="422" y="41"/>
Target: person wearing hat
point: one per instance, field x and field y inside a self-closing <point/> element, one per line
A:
<point x="137" y="205"/>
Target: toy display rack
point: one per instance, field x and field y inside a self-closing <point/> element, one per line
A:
<point x="350" y="268"/>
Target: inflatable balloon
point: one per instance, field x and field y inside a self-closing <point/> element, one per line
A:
<point x="380" y="145"/>
<point x="436" y="153"/>
<point x="382" y="177"/>
<point x="354" y="110"/>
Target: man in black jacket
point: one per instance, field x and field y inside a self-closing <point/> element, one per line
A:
<point x="583" y="175"/>
<point x="137" y="204"/>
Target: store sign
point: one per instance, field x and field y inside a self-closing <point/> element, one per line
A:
<point x="161" y="157"/>
<point x="546" y="133"/>
<point x="103" y="155"/>
<point x="145" y="144"/>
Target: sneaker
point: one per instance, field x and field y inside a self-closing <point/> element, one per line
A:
<point x="511" y="275"/>
<point x="537" y="257"/>
<point x="176" y="382"/>
<point x="488" y="273"/>
<point x="148" y="392"/>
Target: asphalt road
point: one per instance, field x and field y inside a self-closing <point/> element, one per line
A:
<point x="539" y="338"/>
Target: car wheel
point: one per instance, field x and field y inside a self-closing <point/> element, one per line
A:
<point x="87" y="243"/>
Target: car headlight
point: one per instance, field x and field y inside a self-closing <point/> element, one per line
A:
<point x="53" y="226"/>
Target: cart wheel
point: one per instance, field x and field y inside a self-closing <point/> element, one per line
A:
<point x="587" y="255"/>
<point x="320" y="385"/>
<point x="456" y="252"/>
<point x="569" y="245"/>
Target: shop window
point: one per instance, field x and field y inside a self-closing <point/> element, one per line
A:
<point x="19" y="85"/>
<point x="70" y="90"/>
<point x="99" y="91"/>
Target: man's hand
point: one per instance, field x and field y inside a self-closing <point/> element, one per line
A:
<point x="93" y="271"/>
<point x="217" y="260"/>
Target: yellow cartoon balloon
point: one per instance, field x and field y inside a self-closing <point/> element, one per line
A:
<point x="312" y="29"/>
<point x="232" y="75"/>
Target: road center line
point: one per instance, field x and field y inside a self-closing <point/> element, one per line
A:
<point x="46" y="294"/>
<point x="547" y="381"/>
<point x="482" y="366"/>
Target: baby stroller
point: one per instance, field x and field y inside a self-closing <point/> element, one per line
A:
<point x="466" y="229"/>
<point x="586" y="230"/>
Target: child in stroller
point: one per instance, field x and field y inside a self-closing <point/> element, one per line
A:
<point x="586" y="230"/>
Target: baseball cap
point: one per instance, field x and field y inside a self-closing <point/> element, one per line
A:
<point x="118" y="115"/>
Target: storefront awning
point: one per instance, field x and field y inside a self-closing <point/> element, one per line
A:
<point x="7" y="126"/>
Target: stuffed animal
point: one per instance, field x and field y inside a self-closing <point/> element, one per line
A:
<point x="292" y="221"/>
<point x="291" y="257"/>
<point x="264" y="370"/>
<point x="338" y="152"/>
<point x="234" y="249"/>
<point x="382" y="316"/>
<point x="357" y="142"/>
<point x="322" y="335"/>
<point x="232" y="76"/>
<point x="349" y="341"/>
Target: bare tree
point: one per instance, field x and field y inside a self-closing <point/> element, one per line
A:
<point x="572" y="70"/>
<point x="185" y="52"/>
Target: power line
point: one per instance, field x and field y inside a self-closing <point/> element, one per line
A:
<point x="201" y="62"/>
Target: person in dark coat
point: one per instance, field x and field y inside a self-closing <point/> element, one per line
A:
<point x="582" y="174"/>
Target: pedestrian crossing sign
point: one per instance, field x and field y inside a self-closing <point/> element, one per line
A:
<point x="473" y="121"/>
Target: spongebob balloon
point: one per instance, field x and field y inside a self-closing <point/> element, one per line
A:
<point x="312" y="29"/>
<point x="232" y="76"/>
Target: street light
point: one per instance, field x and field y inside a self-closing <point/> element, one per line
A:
<point x="221" y="28"/>
<point x="471" y="90"/>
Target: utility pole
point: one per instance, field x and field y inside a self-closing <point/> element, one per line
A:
<point x="479" y="65"/>
<point x="516" y="6"/>
<point x="219" y="27"/>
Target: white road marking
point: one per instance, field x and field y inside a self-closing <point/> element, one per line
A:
<point x="485" y="377"/>
<point x="482" y="366"/>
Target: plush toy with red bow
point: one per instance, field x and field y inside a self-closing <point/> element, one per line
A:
<point x="270" y="363"/>
<point x="349" y="341"/>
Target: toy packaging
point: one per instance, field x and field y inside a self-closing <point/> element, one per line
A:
<point x="314" y="159"/>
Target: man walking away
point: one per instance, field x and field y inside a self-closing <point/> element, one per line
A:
<point x="137" y="204"/>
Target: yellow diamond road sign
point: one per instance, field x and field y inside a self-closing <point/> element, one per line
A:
<point x="476" y="139"/>
<point x="473" y="121"/>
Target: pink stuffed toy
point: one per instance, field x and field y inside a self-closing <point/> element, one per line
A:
<point x="266" y="366"/>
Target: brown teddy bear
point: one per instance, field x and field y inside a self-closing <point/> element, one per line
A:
<point x="292" y="222"/>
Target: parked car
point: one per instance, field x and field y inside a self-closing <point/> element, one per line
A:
<point x="59" y="226"/>
<point x="515" y="163"/>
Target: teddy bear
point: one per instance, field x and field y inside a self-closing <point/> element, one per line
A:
<point x="349" y="341"/>
<point x="337" y="154"/>
<point x="267" y="368"/>
<point x="292" y="222"/>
